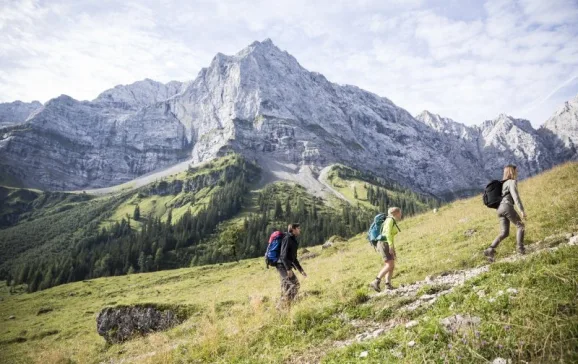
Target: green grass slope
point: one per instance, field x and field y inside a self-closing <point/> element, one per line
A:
<point x="238" y="322"/>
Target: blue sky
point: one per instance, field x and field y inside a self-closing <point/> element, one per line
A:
<point x="468" y="60"/>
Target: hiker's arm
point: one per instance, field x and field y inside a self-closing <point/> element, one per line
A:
<point x="298" y="266"/>
<point x="516" y="197"/>
<point x="283" y="254"/>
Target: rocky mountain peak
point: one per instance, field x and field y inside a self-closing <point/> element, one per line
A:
<point x="504" y="123"/>
<point x="564" y="124"/>
<point x="12" y="113"/>
<point x="446" y="125"/>
<point x="434" y="120"/>
<point x="140" y="93"/>
<point x="265" y="46"/>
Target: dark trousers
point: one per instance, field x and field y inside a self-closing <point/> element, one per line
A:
<point x="289" y="285"/>
<point x="507" y="214"/>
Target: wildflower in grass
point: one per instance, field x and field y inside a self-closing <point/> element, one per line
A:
<point x="450" y="346"/>
<point x="477" y="333"/>
<point x="436" y="336"/>
<point x="500" y="346"/>
<point x="484" y="342"/>
<point x="464" y="341"/>
<point x="507" y="327"/>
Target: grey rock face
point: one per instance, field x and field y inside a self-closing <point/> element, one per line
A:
<point x="496" y="143"/>
<point x="562" y="129"/>
<point x="508" y="140"/>
<point x="139" y="94"/>
<point x="119" y="324"/>
<point x="264" y="105"/>
<point x="12" y="113"/>
<point x="71" y="144"/>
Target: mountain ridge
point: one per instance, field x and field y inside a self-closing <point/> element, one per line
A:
<point x="263" y="104"/>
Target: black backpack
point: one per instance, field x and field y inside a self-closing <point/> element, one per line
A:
<point x="493" y="194"/>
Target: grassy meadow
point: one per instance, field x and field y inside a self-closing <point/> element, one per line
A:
<point x="235" y="319"/>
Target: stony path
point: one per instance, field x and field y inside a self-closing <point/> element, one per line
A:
<point x="447" y="283"/>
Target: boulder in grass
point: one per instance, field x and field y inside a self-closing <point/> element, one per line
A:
<point x="121" y="323"/>
<point x="459" y="323"/>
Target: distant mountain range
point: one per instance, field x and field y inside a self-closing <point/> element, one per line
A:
<point x="264" y="105"/>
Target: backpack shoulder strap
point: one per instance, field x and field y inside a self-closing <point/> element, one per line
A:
<point x="395" y="223"/>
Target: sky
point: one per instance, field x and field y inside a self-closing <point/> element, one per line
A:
<point x="468" y="60"/>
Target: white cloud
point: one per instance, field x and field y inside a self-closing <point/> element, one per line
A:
<point x="551" y="12"/>
<point x="418" y="55"/>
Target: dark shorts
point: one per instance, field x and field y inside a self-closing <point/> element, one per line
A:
<point x="383" y="249"/>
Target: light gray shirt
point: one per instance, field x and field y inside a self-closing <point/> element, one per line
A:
<point x="510" y="194"/>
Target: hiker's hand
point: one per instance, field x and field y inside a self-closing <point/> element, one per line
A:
<point x="524" y="216"/>
<point x="304" y="274"/>
<point x="392" y="252"/>
<point x="290" y="274"/>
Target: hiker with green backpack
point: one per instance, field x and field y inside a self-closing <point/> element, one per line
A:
<point x="381" y="236"/>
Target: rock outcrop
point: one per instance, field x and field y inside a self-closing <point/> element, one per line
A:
<point x="118" y="324"/>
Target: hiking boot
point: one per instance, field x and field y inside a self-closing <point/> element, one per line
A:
<point x="489" y="253"/>
<point x="389" y="286"/>
<point x="375" y="285"/>
<point x="522" y="250"/>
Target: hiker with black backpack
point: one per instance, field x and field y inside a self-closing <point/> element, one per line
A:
<point x="282" y="253"/>
<point x="503" y="195"/>
<point x="381" y="236"/>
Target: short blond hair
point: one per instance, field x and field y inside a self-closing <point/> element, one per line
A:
<point x="510" y="172"/>
<point x="393" y="210"/>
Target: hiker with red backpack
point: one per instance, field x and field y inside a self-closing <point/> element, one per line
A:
<point x="282" y="253"/>
<point x="503" y="195"/>
<point x="381" y="236"/>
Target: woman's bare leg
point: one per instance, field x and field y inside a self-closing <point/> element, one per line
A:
<point x="390" y="265"/>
